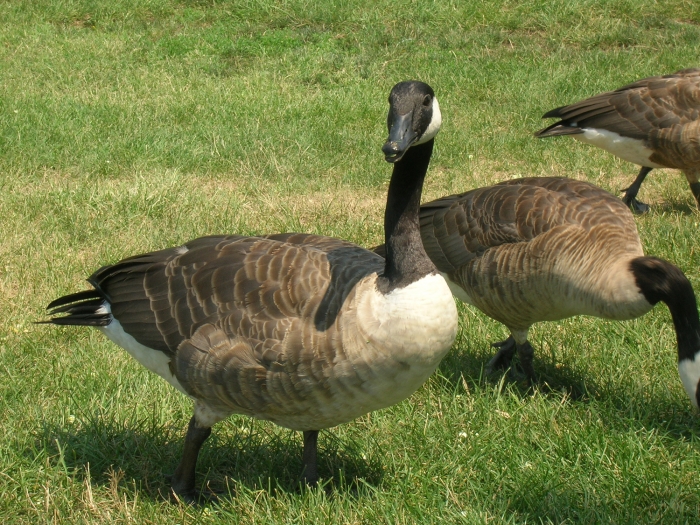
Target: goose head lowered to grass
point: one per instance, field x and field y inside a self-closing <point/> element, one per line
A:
<point x="654" y="122"/>
<point x="302" y="330"/>
<point x="543" y="249"/>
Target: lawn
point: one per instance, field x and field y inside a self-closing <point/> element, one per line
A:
<point x="136" y="125"/>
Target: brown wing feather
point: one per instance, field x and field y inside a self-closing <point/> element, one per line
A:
<point x="459" y="228"/>
<point x="677" y="146"/>
<point x="661" y="110"/>
<point x="241" y="284"/>
<point x="275" y="339"/>
<point x="531" y="249"/>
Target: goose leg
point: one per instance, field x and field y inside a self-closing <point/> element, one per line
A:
<point x="693" y="177"/>
<point x="631" y="192"/>
<point x="502" y="359"/>
<point x="309" y="474"/>
<point x="182" y="484"/>
<point x="695" y="188"/>
<point x="525" y="355"/>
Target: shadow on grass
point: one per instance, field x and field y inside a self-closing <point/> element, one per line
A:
<point x="619" y="410"/>
<point x="543" y="500"/>
<point x="536" y="495"/>
<point x="551" y="377"/>
<point x="682" y="207"/>
<point x="146" y="454"/>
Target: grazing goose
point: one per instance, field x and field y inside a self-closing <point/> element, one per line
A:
<point x="302" y="330"/>
<point x="543" y="249"/>
<point x="654" y="122"/>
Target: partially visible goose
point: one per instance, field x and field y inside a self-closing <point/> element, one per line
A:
<point x="543" y="249"/>
<point x="654" y="122"/>
<point x="302" y="330"/>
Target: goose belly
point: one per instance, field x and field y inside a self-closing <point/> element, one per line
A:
<point x="384" y="347"/>
<point x="518" y="300"/>
<point x="631" y="150"/>
<point x="380" y="349"/>
<point x="155" y="360"/>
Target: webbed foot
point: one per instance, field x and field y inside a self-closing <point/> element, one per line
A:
<point x="631" y="193"/>
<point x="504" y="356"/>
<point x="526" y="354"/>
<point x="636" y="206"/>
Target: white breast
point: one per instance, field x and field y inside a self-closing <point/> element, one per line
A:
<point x="414" y="327"/>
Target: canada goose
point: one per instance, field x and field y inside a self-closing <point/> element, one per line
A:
<point x="543" y="249"/>
<point x="302" y="330"/>
<point x="654" y="122"/>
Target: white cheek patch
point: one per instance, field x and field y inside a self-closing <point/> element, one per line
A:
<point x="689" y="370"/>
<point x="434" y="125"/>
<point x="631" y="150"/>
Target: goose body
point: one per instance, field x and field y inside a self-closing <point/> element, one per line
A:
<point x="302" y="330"/>
<point x="529" y="254"/>
<point x="335" y="331"/>
<point x="543" y="249"/>
<point x="654" y="122"/>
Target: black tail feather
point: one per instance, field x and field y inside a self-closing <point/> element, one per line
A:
<point x="83" y="309"/>
<point x="555" y="113"/>
<point x="557" y="130"/>
<point x="74" y="297"/>
<point x="79" y="320"/>
<point x="76" y="308"/>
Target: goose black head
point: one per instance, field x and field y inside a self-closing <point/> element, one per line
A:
<point x="659" y="280"/>
<point x="414" y="118"/>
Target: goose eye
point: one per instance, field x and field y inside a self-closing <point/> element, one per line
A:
<point x="427" y="100"/>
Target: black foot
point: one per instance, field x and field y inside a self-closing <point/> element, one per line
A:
<point x="525" y="355"/>
<point x="639" y="207"/>
<point x="636" y="206"/>
<point x="504" y="356"/>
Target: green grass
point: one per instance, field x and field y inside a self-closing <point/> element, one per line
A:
<point x="134" y="125"/>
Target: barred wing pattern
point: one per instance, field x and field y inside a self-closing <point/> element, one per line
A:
<point x="663" y="112"/>
<point x="247" y="335"/>
<point x="530" y="249"/>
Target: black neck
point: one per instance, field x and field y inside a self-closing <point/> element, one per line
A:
<point x="406" y="260"/>
<point x="660" y="280"/>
